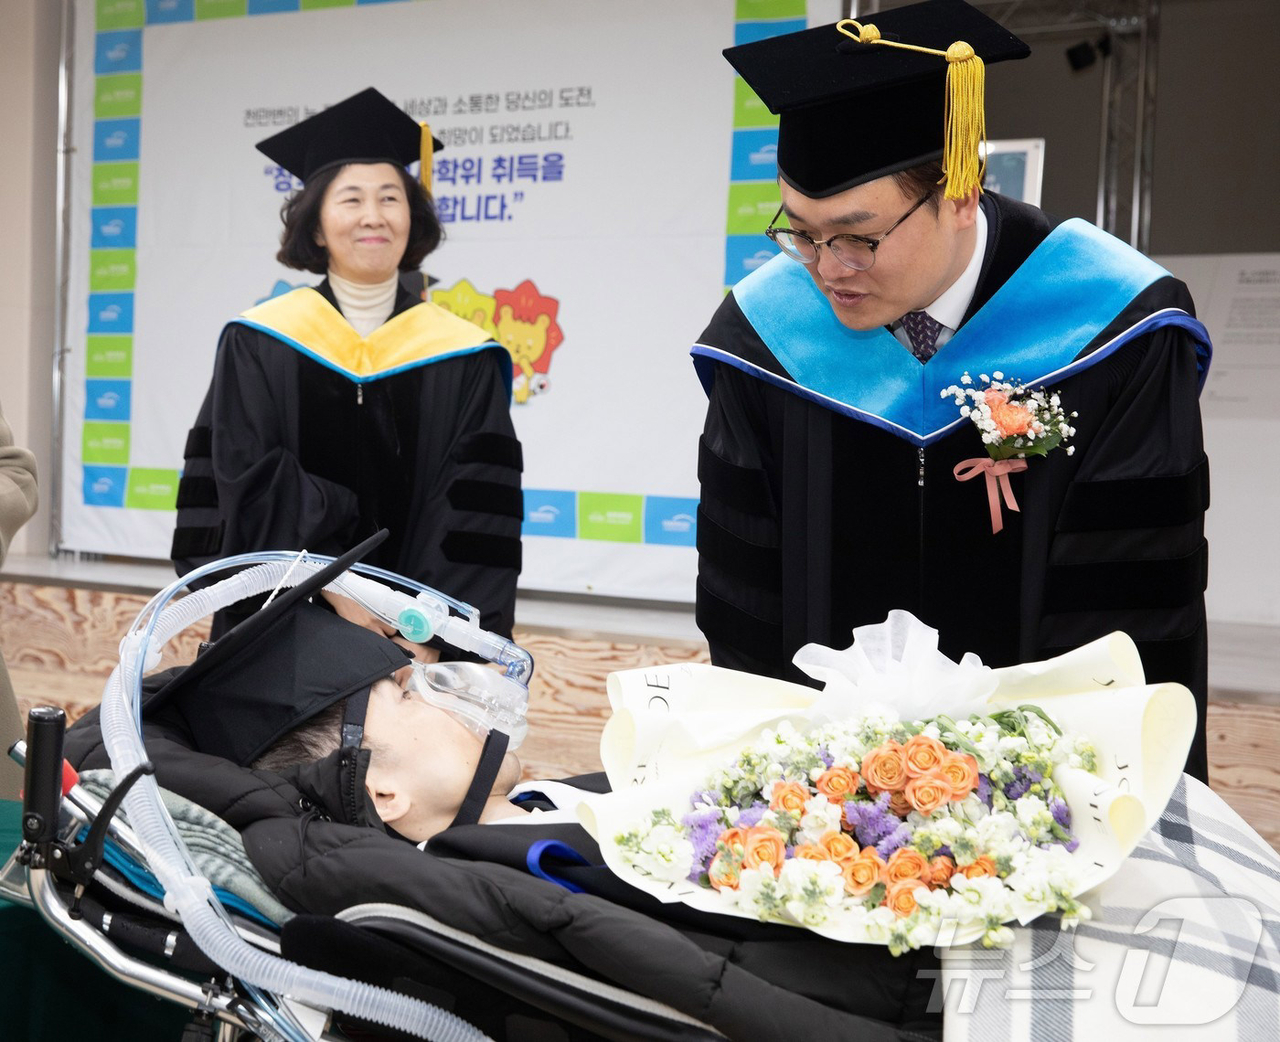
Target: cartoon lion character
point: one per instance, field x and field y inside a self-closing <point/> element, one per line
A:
<point x="465" y="301"/>
<point x="525" y="324"/>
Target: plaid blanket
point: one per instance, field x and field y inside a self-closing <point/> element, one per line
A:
<point x="1184" y="943"/>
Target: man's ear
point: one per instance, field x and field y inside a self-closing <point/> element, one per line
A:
<point x="389" y="798"/>
<point x="965" y="210"/>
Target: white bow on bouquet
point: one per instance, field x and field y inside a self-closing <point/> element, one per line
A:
<point x="689" y="745"/>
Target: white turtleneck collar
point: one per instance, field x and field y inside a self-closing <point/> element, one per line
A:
<point x="364" y="307"/>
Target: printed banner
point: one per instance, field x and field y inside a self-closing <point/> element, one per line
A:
<point x="605" y="177"/>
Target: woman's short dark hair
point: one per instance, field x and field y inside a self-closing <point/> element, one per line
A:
<point x="301" y="217"/>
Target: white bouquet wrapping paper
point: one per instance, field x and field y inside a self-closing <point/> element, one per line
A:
<point x="673" y="725"/>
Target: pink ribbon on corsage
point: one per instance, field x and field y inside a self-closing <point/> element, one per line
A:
<point x="997" y="474"/>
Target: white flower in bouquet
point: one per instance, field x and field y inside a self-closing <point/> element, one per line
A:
<point x="820" y="817"/>
<point x="664" y="854"/>
<point x="810" y="890"/>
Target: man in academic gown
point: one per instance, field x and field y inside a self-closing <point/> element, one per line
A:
<point x="829" y="458"/>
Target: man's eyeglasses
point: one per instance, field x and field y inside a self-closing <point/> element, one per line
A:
<point x="853" y="251"/>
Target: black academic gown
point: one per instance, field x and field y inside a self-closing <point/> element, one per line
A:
<point x="813" y="522"/>
<point x="289" y="453"/>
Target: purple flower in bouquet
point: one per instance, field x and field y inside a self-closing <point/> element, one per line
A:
<point x="983" y="791"/>
<point x="826" y="757"/>
<point x="704" y="827"/>
<point x="899" y="837"/>
<point x="1023" y="779"/>
<point x="751" y="815"/>
<point x="1060" y="811"/>
<point x="871" y="822"/>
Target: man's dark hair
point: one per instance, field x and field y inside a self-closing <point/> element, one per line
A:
<point x="311" y="740"/>
<point x="301" y="217"/>
<point x="917" y="181"/>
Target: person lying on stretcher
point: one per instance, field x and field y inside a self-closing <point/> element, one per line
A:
<point x="335" y="757"/>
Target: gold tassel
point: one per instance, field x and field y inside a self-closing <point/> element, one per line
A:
<point x="426" y="150"/>
<point x="965" y="122"/>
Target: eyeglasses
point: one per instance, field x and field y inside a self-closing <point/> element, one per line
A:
<point x="853" y="251"/>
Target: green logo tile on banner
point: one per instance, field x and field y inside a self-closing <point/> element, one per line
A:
<point x="611" y="516"/>
<point x="115" y="184"/>
<point x="315" y="5"/>
<point x="105" y="442"/>
<point x="221" y="9"/>
<point x="121" y="14"/>
<point x="745" y="10"/>
<point x="151" y="489"/>
<point x="109" y="357"/>
<point x="751" y="205"/>
<point x="112" y="271"/>
<point x="748" y="110"/>
<point x="118" y="96"/>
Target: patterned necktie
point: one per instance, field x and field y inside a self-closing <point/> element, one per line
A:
<point x="923" y="331"/>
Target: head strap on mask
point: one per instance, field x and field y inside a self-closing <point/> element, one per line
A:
<point x="353" y="715"/>
<point x="491" y="756"/>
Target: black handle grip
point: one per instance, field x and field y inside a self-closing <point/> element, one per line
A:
<point x="42" y="778"/>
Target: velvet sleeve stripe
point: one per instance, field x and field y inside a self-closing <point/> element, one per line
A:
<point x="1120" y="585"/>
<point x="199" y="443"/>
<point x="487" y="497"/>
<point x="196" y="490"/>
<point x="192" y="543"/>
<point x="743" y="488"/>
<point x="1156" y="502"/>
<point x="500" y="450"/>
<point x="493" y="551"/>
<point x="725" y="623"/>
<point x="759" y="565"/>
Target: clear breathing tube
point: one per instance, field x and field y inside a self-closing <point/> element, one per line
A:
<point x="186" y="890"/>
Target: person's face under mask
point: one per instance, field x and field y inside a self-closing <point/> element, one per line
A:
<point x="423" y="762"/>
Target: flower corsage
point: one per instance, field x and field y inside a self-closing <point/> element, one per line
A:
<point x="1015" y="422"/>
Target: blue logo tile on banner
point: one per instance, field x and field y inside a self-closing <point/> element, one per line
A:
<point x="750" y="32"/>
<point x="550" y="512"/>
<point x="755" y="155"/>
<point x="116" y="139"/>
<point x="273" y="6"/>
<point x="107" y="399"/>
<point x="119" y="51"/>
<point x="110" y="312"/>
<point x="114" y="227"/>
<point x="159" y="11"/>
<point x="743" y="254"/>
<point x="105" y="486"/>
<point x="670" y="520"/>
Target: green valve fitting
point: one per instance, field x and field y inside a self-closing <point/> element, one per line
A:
<point x="415" y="626"/>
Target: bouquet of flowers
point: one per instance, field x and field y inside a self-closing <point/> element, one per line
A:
<point x="912" y="801"/>
<point x="1014" y="422"/>
<point x="882" y="828"/>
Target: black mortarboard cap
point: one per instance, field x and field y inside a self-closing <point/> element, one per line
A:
<point x="364" y="128"/>
<point x="851" y="112"/>
<point x="278" y="669"/>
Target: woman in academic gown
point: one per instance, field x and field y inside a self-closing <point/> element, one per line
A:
<point x="338" y="410"/>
